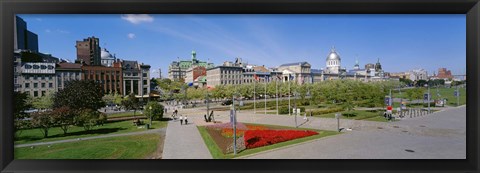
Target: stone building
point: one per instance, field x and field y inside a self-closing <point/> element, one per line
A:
<point x="224" y="75"/>
<point x="177" y="69"/>
<point x="111" y="78"/>
<point x="300" y="72"/>
<point x="107" y="58"/>
<point x="37" y="78"/>
<point x="136" y="79"/>
<point x="66" y="72"/>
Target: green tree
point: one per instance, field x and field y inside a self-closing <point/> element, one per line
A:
<point x="88" y="118"/>
<point x="20" y="104"/>
<point x="44" y="102"/>
<point x="43" y="120"/>
<point x="131" y="103"/>
<point x="80" y="94"/>
<point x="64" y="117"/>
<point x="153" y="110"/>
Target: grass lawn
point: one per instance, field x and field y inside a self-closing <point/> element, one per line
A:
<point x="124" y="114"/>
<point x="54" y="134"/>
<point x="125" y="147"/>
<point x="217" y="153"/>
<point x="359" y="115"/>
<point x="444" y="93"/>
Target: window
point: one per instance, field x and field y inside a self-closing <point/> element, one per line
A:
<point x="27" y="85"/>
<point x="50" y="85"/>
<point x="35" y="85"/>
<point x="36" y="67"/>
<point x="43" y="85"/>
<point x="43" y="67"/>
<point x="144" y="74"/>
<point x="43" y="77"/>
<point x="43" y="93"/>
<point x="50" y="67"/>
<point x="35" y="94"/>
<point x="28" y="66"/>
<point x="50" y="77"/>
<point x="135" y="74"/>
<point x="144" y="82"/>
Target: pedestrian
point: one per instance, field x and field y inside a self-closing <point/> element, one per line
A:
<point x="186" y="120"/>
<point x="181" y="120"/>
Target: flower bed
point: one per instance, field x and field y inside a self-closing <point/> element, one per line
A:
<point x="259" y="138"/>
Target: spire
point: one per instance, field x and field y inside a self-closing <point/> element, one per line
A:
<point x="333" y="49"/>
<point x="194" y="54"/>
<point x="378" y="60"/>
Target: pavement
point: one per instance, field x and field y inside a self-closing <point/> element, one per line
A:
<point x="184" y="142"/>
<point x="441" y="135"/>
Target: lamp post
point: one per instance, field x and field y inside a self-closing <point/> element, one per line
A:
<point x="150" y="107"/>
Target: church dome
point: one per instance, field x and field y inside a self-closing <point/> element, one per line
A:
<point x="333" y="55"/>
<point x="105" y="54"/>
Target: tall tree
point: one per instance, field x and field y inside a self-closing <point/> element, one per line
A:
<point x="44" y="102"/>
<point x="64" y="117"/>
<point x="80" y="94"/>
<point x="21" y="104"/>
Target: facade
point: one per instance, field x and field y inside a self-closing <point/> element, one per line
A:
<point x="37" y="78"/>
<point x="23" y="38"/>
<point x="300" y="72"/>
<point x="401" y="75"/>
<point x="224" y="75"/>
<point x="111" y="78"/>
<point x="88" y="51"/>
<point x="418" y="74"/>
<point x="443" y="73"/>
<point x="136" y="79"/>
<point x="177" y="69"/>
<point x="193" y="73"/>
<point x="66" y="72"/>
<point x="107" y="59"/>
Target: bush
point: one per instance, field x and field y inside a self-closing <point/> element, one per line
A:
<point x="325" y="111"/>
<point x="284" y="109"/>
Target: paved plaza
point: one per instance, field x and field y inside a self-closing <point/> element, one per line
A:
<point x="440" y="135"/>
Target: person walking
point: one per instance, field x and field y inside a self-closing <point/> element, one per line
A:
<point x="181" y="120"/>
<point x="186" y="120"/>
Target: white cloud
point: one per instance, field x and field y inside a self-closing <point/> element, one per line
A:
<point x="131" y="35"/>
<point x="63" y="31"/>
<point x="137" y="18"/>
<point x="39" y="19"/>
<point x="48" y="30"/>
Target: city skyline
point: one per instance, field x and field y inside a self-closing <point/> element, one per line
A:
<point x="402" y="42"/>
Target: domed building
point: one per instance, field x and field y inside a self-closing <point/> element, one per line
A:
<point x="333" y="62"/>
<point x="107" y="59"/>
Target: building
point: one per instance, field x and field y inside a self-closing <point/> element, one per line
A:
<point x="224" y="75"/>
<point x="66" y="72"/>
<point x="443" y="73"/>
<point x="418" y="74"/>
<point x="23" y="38"/>
<point x="177" y="69"/>
<point x="193" y="73"/>
<point x="37" y="78"/>
<point x="136" y="78"/>
<point x="333" y="62"/>
<point x="107" y="59"/>
<point x="300" y="72"/>
<point x="111" y="78"/>
<point x="401" y="75"/>
<point x="88" y="51"/>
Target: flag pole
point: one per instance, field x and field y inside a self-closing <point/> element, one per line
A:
<point x="276" y="92"/>
<point x="289" y="107"/>
<point x="254" y="102"/>
<point x="265" y="96"/>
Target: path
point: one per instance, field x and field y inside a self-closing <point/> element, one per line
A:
<point x="184" y="142"/>
<point x="93" y="137"/>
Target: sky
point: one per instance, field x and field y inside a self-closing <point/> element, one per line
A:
<point x="401" y="42"/>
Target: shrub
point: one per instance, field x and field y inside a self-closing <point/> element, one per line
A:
<point x="259" y="138"/>
<point x="325" y="111"/>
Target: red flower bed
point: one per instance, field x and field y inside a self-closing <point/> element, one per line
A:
<point x="258" y="138"/>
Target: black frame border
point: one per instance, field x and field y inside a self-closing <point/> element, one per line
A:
<point x="8" y="8"/>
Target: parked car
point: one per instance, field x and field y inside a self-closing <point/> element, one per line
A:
<point x="227" y="102"/>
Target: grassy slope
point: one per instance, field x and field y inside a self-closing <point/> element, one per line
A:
<point x="36" y="135"/>
<point x="125" y="147"/>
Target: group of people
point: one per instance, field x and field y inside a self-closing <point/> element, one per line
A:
<point x="182" y="118"/>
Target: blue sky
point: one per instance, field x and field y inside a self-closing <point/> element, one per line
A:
<point x="402" y="42"/>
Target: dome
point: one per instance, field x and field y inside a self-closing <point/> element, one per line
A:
<point x="333" y="55"/>
<point x="105" y="54"/>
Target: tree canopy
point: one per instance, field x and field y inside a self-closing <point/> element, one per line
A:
<point x="80" y="94"/>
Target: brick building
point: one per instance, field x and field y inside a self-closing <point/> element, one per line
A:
<point x="88" y="51"/>
<point x="111" y="78"/>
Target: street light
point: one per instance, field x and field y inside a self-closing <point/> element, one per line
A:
<point x="150" y="107"/>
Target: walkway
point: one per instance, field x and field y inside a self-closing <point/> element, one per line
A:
<point x="184" y="142"/>
<point x="441" y="135"/>
<point x="93" y="137"/>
